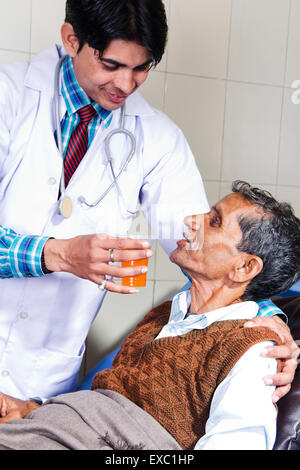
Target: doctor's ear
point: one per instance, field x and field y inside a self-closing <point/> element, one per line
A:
<point x="247" y="268"/>
<point x="69" y="39"/>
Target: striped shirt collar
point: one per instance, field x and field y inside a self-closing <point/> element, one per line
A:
<point x="75" y="97"/>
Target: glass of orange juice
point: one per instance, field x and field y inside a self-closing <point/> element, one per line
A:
<point x="135" y="281"/>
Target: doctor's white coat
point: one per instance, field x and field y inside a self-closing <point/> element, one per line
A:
<point x="44" y="321"/>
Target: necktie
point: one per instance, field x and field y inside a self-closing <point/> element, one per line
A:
<point x="78" y="142"/>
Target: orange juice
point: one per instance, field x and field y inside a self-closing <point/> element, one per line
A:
<point x="135" y="281"/>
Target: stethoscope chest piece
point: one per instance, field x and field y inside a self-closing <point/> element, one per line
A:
<point x="65" y="207"/>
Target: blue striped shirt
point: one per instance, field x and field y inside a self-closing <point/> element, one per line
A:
<point x="267" y="309"/>
<point x="20" y="256"/>
<point x="75" y="98"/>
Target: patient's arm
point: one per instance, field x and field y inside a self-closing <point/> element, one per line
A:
<point x="288" y="352"/>
<point x="13" y="408"/>
<point x="242" y="415"/>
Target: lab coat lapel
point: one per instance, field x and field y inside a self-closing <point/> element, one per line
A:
<point x="41" y="71"/>
<point x="136" y="105"/>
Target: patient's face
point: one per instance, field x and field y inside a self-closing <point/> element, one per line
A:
<point x="210" y="246"/>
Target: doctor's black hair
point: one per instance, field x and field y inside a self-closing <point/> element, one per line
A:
<point x="274" y="236"/>
<point x="98" y="22"/>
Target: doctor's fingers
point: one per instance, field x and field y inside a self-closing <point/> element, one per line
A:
<point x="112" y="286"/>
<point x="283" y="379"/>
<point x="119" y="271"/>
<point x="3" y="405"/>
<point x="128" y="255"/>
<point x="288" y="350"/>
<point x="107" y="242"/>
<point x="6" y="404"/>
<point x="11" y="415"/>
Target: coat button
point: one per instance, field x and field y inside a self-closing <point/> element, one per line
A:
<point x="5" y="373"/>
<point x="52" y="181"/>
<point x="24" y="315"/>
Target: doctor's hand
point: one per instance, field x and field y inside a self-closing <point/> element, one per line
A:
<point x="89" y="257"/>
<point x="287" y="352"/>
<point x="13" y="408"/>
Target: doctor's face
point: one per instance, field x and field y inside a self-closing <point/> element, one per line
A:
<point x="111" y="78"/>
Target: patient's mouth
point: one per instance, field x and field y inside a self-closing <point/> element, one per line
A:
<point x="182" y="243"/>
<point x="189" y="240"/>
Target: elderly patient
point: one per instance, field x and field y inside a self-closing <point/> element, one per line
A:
<point x="190" y="375"/>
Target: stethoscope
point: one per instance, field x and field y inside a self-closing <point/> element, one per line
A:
<point x="65" y="204"/>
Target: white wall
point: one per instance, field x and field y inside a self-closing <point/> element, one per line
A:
<point x="226" y="80"/>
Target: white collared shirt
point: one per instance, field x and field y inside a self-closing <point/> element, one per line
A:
<point x="242" y="415"/>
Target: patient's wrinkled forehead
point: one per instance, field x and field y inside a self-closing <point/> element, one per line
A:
<point x="235" y="205"/>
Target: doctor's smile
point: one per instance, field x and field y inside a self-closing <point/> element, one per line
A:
<point x="116" y="98"/>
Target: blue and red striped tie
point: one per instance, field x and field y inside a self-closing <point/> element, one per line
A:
<point x="78" y="142"/>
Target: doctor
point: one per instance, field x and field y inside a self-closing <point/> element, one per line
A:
<point x="57" y="181"/>
<point x="44" y="319"/>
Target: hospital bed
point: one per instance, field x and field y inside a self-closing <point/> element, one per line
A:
<point x="288" y="428"/>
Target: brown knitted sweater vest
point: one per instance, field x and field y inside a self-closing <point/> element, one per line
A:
<point x="174" y="378"/>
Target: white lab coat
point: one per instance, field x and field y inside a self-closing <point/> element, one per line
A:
<point x="44" y="321"/>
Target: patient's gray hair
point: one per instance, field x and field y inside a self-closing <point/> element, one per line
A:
<point x="274" y="236"/>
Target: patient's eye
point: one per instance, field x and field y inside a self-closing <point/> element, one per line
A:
<point x="215" y="221"/>
<point x="215" y="217"/>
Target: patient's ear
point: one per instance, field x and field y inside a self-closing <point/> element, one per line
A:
<point x="247" y="268"/>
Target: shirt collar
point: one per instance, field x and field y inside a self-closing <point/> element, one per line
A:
<point x="182" y="301"/>
<point x="75" y="97"/>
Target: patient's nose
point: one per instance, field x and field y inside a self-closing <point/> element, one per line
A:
<point x="195" y="231"/>
<point x="193" y="222"/>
